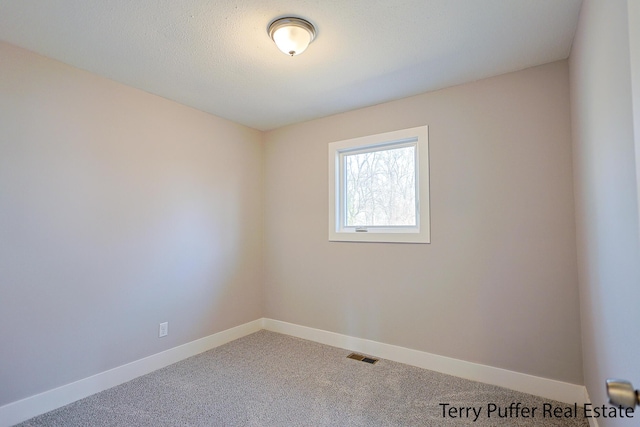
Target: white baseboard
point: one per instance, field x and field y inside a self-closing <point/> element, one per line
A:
<point x="543" y="387"/>
<point x="24" y="409"/>
<point x="30" y="407"/>
<point x="593" y="422"/>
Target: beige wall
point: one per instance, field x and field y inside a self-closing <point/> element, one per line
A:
<point x="498" y="283"/>
<point x="606" y="196"/>
<point x="118" y="210"/>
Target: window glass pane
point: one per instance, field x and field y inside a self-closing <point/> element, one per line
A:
<point x="380" y="188"/>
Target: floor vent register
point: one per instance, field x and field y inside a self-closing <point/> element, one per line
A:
<point x="362" y="358"/>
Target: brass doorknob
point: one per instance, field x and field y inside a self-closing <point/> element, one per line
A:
<point x="621" y="392"/>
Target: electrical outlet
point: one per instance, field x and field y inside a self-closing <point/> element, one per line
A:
<point x="164" y="330"/>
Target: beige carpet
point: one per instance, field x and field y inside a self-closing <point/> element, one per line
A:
<point x="269" y="379"/>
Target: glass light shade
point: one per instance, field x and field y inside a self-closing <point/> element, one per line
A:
<point x="292" y="40"/>
<point x="292" y="35"/>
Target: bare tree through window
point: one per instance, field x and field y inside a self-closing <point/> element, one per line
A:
<point x="380" y="187"/>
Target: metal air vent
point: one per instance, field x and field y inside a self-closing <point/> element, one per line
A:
<point x="362" y="358"/>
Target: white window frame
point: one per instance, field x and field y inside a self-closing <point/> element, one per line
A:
<point x="338" y="231"/>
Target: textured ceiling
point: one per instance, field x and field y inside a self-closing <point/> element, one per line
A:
<point x="216" y="55"/>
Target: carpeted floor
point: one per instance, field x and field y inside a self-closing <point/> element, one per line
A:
<point x="269" y="379"/>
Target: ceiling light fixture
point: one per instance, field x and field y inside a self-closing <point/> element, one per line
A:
<point x="292" y="35"/>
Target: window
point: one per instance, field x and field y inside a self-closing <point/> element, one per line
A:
<point x="379" y="188"/>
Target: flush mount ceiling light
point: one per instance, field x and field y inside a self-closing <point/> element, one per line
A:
<point x="292" y="35"/>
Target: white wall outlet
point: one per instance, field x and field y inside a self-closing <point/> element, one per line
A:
<point x="164" y="329"/>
